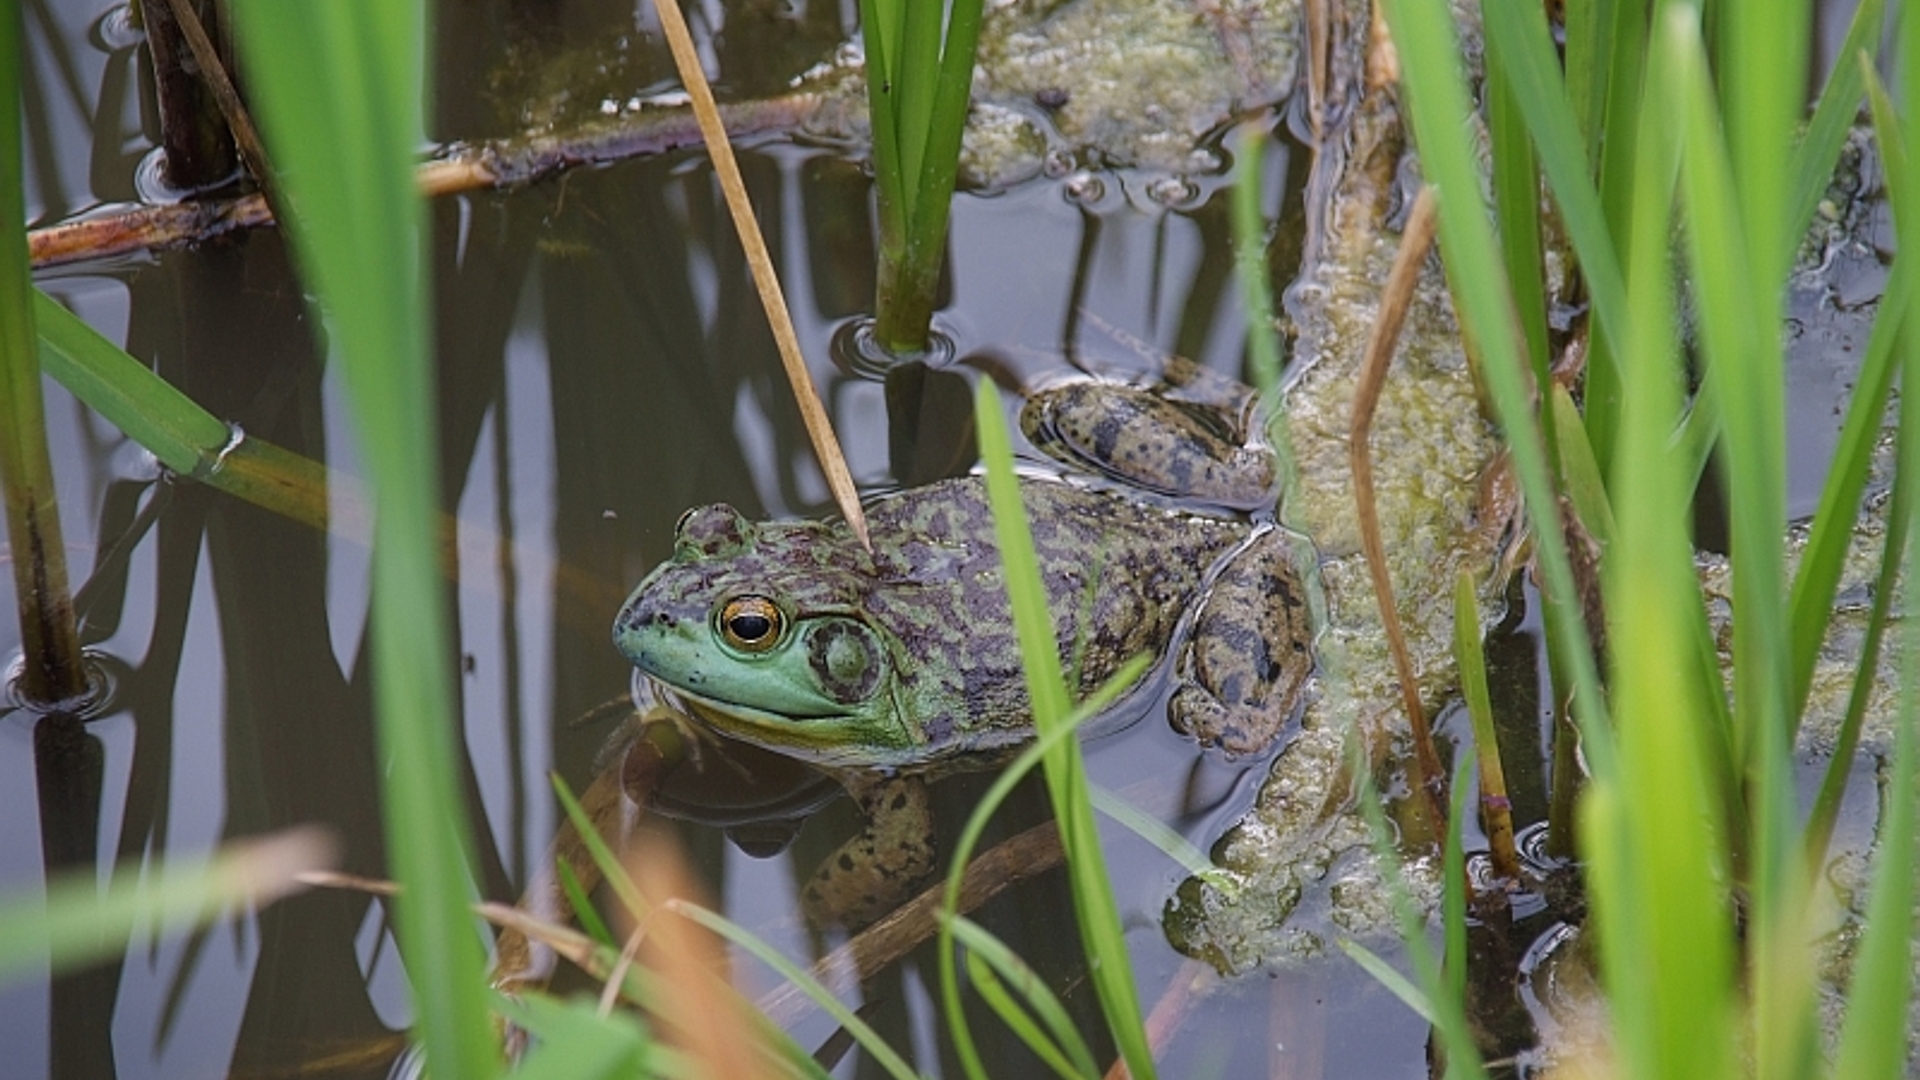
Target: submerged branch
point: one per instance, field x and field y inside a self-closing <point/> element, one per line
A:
<point x="499" y="163"/>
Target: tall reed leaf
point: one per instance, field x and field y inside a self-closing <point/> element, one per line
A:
<point x="1654" y="829"/>
<point x="1101" y="933"/>
<point x="1423" y="33"/>
<point x="976" y="827"/>
<point x="338" y="89"/>
<point x="1874" y="1041"/>
<point x="919" y="76"/>
<point x="49" y="637"/>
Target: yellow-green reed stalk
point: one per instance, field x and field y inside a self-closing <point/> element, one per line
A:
<point x="1101" y="934"/>
<point x="919" y="74"/>
<point x="1654" y="830"/>
<point x="1874" y="1040"/>
<point x="54" y="670"/>
<point x="338" y="89"/>
<point x="1250" y="237"/>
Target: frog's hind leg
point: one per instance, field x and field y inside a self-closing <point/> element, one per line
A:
<point x="1250" y="649"/>
<point x="877" y="869"/>
<point x="1190" y="435"/>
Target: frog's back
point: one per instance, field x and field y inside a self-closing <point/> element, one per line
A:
<point x="1118" y="574"/>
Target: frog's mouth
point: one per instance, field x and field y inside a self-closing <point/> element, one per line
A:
<point x="841" y="738"/>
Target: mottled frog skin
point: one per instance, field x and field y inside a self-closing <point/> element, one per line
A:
<point x="890" y="665"/>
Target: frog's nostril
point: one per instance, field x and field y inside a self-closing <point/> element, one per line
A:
<point x="664" y="619"/>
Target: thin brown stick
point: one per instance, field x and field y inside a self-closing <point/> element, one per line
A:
<point x="1396" y="297"/>
<point x="1319" y="65"/>
<point x="819" y="428"/>
<point x="214" y="74"/>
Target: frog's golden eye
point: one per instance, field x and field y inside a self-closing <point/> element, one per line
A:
<point x="752" y="623"/>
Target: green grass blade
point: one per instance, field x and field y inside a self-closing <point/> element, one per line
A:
<point x="573" y="1041"/>
<point x="52" y="669"/>
<point x="1101" y="933"/>
<point x="1818" y="150"/>
<point x="1763" y="80"/>
<point x="1397" y="984"/>
<point x="1831" y="532"/>
<point x="338" y="90"/>
<point x="1424" y="34"/>
<point x="1496" y="814"/>
<point x="989" y="961"/>
<point x="876" y="1047"/>
<point x="1739" y="312"/>
<point x="171" y="426"/>
<point x="584" y="912"/>
<point x="1656" y="838"/>
<point x="1441" y="992"/>
<point x="1256" y="292"/>
<point x="1516" y="206"/>
<point x="1517" y="33"/>
<point x="1874" y="1040"/>
<point x="1025" y="762"/>
<point x="1155" y="832"/>
<point x="75" y="921"/>
<point x="1578" y="470"/>
<point x="1740" y="337"/>
<point x="889" y="183"/>
<point x="608" y="863"/>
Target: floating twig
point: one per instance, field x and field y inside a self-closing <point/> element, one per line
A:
<point x="503" y="163"/>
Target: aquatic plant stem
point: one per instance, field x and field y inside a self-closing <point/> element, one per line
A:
<point x="1395" y="298"/>
<point x="918" y="83"/>
<point x="48" y="634"/>
<point x="826" y="447"/>
<point x="214" y="72"/>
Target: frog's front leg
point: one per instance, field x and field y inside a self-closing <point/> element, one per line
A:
<point x="878" y="868"/>
<point x="1250" y="650"/>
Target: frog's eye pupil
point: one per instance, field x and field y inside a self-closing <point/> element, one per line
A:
<point x="752" y="623"/>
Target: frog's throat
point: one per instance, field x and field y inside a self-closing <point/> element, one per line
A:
<point x="843" y="739"/>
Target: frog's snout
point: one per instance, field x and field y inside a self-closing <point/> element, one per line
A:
<point x="643" y="621"/>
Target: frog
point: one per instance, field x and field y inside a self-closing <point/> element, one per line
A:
<point x="891" y="665"/>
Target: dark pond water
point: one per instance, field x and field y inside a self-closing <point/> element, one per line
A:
<point x="603" y="366"/>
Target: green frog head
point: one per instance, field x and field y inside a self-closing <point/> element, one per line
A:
<point x="765" y="629"/>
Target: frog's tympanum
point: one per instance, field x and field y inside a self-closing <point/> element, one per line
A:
<point x="888" y="666"/>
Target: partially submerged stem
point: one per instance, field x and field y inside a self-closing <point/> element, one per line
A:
<point x="213" y="70"/>
<point x="199" y="149"/>
<point x="919" y="76"/>
<point x="51" y="640"/>
<point x="1496" y="809"/>
<point x="819" y="429"/>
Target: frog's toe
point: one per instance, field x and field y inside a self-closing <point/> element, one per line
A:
<point x="1250" y="651"/>
<point x="1238" y="731"/>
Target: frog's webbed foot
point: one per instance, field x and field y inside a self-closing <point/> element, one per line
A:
<point x="876" y="870"/>
<point x="1250" y="650"/>
<point x="1191" y="435"/>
